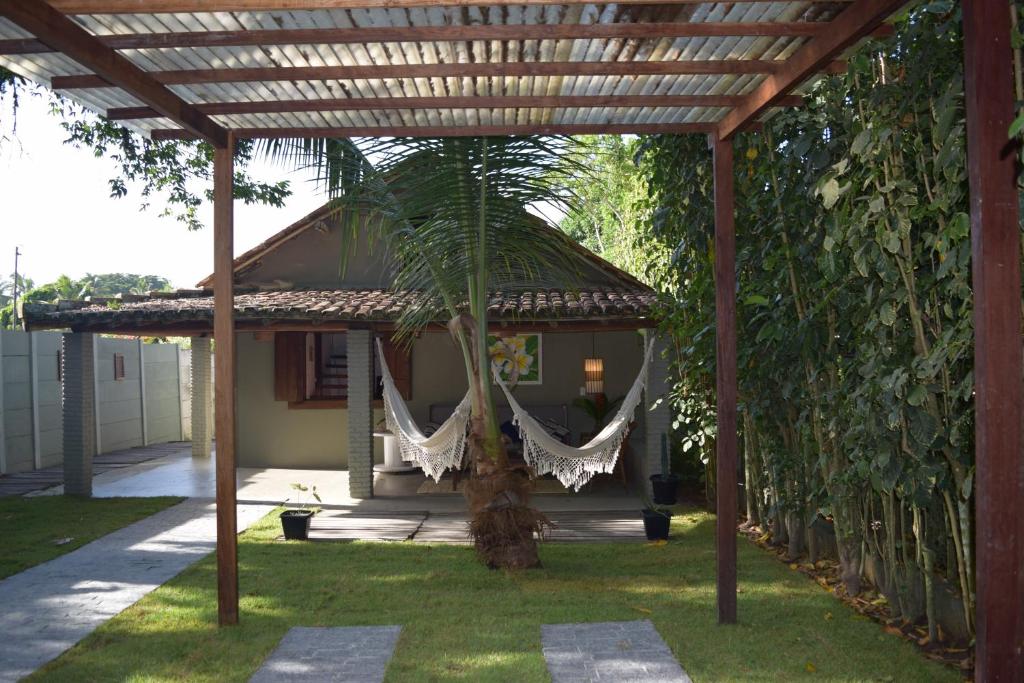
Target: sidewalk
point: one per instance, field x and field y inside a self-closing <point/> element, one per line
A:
<point x="21" y="483"/>
<point x="48" y="608"/>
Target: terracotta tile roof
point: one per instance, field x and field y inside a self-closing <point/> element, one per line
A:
<point x="196" y="306"/>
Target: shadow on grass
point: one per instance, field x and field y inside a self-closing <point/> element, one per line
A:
<point x="462" y="621"/>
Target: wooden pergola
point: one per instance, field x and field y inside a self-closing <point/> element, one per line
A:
<point x="219" y="70"/>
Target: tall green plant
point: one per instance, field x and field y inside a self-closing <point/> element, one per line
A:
<point x="855" y="322"/>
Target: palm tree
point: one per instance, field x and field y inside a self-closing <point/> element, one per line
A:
<point x="452" y="213"/>
<point x="66" y="288"/>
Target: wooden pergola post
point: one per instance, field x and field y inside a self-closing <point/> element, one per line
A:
<point x="224" y="385"/>
<point x="725" y="354"/>
<point x="995" y="240"/>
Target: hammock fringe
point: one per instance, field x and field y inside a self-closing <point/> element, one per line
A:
<point x="444" y="449"/>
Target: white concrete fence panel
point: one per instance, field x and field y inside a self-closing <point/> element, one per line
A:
<point x="138" y="389"/>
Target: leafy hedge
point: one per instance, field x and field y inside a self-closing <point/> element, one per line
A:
<point x="855" y="323"/>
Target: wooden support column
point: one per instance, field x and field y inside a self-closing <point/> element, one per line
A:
<point x="224" y="383"/>
<point x="995" y="241"/>
<point x="725" y="350"/>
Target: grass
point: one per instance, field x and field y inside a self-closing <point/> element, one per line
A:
<point x="34" y="530"/>
<point x="462" y="622"/>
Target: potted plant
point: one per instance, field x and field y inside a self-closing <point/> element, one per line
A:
<point x="666" y="484"/>
<point x="597" y="407"/>
<point x="295" y="521"/>
<point x="656" y="520"/>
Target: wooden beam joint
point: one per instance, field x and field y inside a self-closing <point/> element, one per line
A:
<point x="67" y="37"/>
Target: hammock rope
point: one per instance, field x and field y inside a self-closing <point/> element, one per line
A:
<point x="444" y="449"/>
<point x="574" y="467"/>
<point x="436" y="453"/>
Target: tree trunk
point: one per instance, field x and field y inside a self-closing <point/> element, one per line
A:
<point x="503" y="525"/>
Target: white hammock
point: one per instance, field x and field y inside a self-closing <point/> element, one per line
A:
<point x="436" y="453"/>
<point x="574" y="467"/>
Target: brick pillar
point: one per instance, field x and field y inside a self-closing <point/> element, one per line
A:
<point x="79" y="413"/>
<point x="360" y="413"/>
<point x="202" y="412"/>
<point x="657" y="418"/>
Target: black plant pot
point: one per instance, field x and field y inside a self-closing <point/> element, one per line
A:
<point x="656" y="524"/>
<point x="296" y="524"/>
<point x="665" y="488"/>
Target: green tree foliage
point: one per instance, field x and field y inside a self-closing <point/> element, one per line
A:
<point x="64" y="287"/>
<point x="609" y="202"/>
<point x="855" y="328"/>
<point x="178" y="173"/>
<point x="112" y="284"/>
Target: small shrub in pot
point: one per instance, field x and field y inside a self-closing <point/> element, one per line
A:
<point x="666" y="484"/>
<point x="295" y="521"/>
<point x="657" y="520"/>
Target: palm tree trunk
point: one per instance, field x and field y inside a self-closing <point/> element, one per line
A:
<point x="503" y="525"/>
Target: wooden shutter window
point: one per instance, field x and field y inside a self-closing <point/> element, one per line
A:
<point x="289" y="366"/>
<point x="399" y="360"/>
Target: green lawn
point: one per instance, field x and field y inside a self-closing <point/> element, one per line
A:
<point x="463" y="622"/>
<point x="34" y="529"/>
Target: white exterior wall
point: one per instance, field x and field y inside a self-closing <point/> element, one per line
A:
<point x="48" y="401"/>
<point x="119" y="405"/>
<point x="163" y="404"/>
<point x="271" y="434"/>
<point x="17" y="404"/>
<point x="31" y="423"/>
<point x="185" y="392"/>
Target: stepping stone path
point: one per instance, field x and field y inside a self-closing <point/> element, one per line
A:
<point x="47" y="608"/>
<point x="354" y="654"/>
<point x="609" y="652"/>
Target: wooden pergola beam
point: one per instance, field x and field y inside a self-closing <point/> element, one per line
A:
<point x="151" y="6"/>
<point x="61" y="33"/>
<point x="703" y="67"/>
<point x="458" y="131"/>
<point x="409" y="34"/>
<point x="726" y="441"/>
<point x="992" y="158"/>
<point x="225" y="386"/>
<point x="484" y="102"/>
<point x="856" y="22"/>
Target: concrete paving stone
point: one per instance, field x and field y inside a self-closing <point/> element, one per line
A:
<point x="609" y="652"/>
<point x="355" y="654"/>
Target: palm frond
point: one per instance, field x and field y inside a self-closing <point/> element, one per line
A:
<point x="423" y="200"/>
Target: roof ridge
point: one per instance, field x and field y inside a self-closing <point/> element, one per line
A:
<point x="300" y="226"/>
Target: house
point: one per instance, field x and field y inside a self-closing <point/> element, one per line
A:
<point x="304" y="331"/>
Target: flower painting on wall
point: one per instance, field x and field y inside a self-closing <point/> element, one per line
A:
<point x="516" y="357"/>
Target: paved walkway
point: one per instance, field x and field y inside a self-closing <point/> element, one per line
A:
<point x="609" y="652"/>
<point x="353" y="654"/>
<point x="595" y="526"/>
<point x="35" y="480"/>
<point x="48" y="608"/>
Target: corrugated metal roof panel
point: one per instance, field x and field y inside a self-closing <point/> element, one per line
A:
<point x="42" y="67"/>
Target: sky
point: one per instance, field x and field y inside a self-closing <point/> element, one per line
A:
<point x="57" y="209"/>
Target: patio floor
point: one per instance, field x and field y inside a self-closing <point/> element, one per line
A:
<point x="179" y="474"/>
<point x="20" y="483"/>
